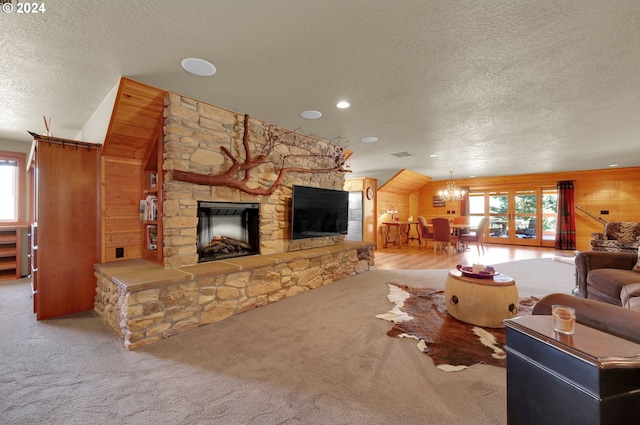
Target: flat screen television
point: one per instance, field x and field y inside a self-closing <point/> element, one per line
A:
<point x="318" y="212"/>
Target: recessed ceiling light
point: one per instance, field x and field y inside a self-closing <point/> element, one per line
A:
<point x="613" y="165"/>
<point x="198" y="66"/>
<point x="433" y="155"/>
<point x="369" y="139"/>
<point x="343" y="104"/>
<point x="311" y="114"/>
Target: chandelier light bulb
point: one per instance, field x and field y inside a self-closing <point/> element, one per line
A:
<point x="451" y="192"/>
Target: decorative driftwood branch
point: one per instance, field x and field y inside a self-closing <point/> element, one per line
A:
<point x="333" y="155"/>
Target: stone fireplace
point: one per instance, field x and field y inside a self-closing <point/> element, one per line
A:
<point x="227" y="230"/>
<point x="145" y="302"/>
<point x="195" y="135"/>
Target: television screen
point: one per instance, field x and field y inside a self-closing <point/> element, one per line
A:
<point x="318" y="212"/>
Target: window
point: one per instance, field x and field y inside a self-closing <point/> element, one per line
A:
<point x="12" y="187"/>
<point x="476" y="207"/>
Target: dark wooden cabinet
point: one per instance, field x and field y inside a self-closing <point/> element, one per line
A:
<point x="589" y="378"/>
<point x="64" y="237"/>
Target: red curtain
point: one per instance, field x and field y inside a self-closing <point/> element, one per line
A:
<point x="566" y="225"/>
<point x="464" y="203"/>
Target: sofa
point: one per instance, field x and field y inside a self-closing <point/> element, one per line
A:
<point x="615" y="320"/>
<point x="609" y="277"/>
<point x="618" y="236"/>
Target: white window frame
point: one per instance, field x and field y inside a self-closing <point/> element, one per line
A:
<point x="19" y="187"/>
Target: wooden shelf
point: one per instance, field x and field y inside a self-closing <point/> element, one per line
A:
<point x="8" y="250"/>
<point x="10" y="253"/>
<point x="7" y="237"/>
<point x="152" y="176"/>
<point x="10" y="265"/>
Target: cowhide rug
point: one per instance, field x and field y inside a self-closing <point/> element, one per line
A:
<point x="453" y="345"/>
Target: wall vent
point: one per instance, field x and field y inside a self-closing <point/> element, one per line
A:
<point x="402" y="154"/>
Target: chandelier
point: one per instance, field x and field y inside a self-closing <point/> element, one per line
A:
<point x="451" y="192"/>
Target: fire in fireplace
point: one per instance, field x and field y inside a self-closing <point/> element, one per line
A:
<point x="227" y="229"/>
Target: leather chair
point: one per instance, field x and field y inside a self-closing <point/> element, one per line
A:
<point x="424" y="230"/>
<point x="478" y="236"/>
<point x="442" y="234"/>
<point x="615" y="320"/>
<point x="604" y="276"/>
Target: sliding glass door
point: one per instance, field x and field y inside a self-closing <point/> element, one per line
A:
<point x="500" y="205"/>
<point x="525" y="217"/>
<point x="517" y="216"/>
<point x="549" y="216"/>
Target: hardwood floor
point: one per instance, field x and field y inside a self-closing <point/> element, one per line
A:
<point x="417" y="257"/>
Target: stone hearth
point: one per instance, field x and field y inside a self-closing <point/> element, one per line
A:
<point x="144" y="302"/>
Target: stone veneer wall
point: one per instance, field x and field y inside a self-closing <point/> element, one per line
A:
<point x="194" y="133"/>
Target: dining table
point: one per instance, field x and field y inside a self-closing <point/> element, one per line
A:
<point x="458" y="227"/>
<point x="398" y="232"/>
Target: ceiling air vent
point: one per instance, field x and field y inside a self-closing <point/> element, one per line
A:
<point x="402" y="154"/>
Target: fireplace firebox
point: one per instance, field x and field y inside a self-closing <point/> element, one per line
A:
<point x="227" y="229"/>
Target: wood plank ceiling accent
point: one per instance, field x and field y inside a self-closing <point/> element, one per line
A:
<point x="137" y="111"/>
<point x="405" y="182"/>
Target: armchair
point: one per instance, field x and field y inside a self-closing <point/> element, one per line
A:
<point x="618" y="236"/>
<point x="604" y="276"/>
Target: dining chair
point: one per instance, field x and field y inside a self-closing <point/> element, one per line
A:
<point x="442" y="234"/>
<point x="462" y="219"/>
<point x="424" y="230"/>
<point x="478" y="236"/>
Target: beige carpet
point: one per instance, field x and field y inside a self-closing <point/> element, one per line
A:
<point x="317" y="358"/>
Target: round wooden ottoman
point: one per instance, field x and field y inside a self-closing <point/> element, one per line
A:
<point x="481" y="302"/>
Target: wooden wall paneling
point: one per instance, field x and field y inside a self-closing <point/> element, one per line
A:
<point x="370" y="218"/>
<point x="121" y="225"/>
<point x="133" y="133"/>
<point x="136" y="113"/>
<point x="405" y="182"/>
<point x="386" y="200"/>
<point x="425" y="202"/>
<point x="616" y="190"/>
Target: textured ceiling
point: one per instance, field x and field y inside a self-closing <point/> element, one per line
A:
<point x="491" y="87"/>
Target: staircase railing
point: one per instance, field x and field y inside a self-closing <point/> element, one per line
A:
<point x="600" y="219"/>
